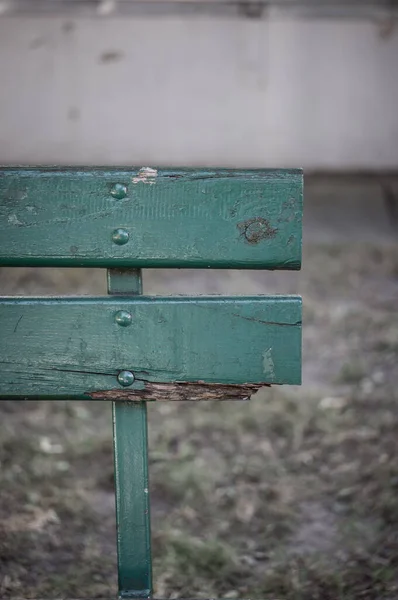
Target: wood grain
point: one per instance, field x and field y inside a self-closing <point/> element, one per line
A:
<point x="74" y="347"/>
<point x="182" y="391"/>
<point x="181" y="218"/>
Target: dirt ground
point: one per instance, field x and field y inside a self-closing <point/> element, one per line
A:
<point x="291" y="496"/>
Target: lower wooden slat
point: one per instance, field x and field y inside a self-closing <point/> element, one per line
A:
<point x="78" y="347"/>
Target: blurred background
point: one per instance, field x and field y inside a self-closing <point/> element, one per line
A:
<point x="293" y="495"/>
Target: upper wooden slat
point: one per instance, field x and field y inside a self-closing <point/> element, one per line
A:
<point x="183" y="218"/>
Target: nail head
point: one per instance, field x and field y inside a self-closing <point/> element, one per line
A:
<point x="120" y="237"/>
<point x="123" y="318"/>
<point x="119" y="191"/>
<point x="125" y="378"/>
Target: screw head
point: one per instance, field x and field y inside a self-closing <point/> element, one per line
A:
<point x="119" y="191"/>
<point x="125" y="378"/>
<point x="123" y="318"/>
<point x="120" y="237"/>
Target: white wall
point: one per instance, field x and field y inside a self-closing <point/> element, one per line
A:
<point x="198" y="91"/>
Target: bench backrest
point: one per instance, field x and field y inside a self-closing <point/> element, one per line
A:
<point x="128" y="347"/>
<point x="76" y="347"/>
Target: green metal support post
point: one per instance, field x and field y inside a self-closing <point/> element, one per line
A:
<point x="131" y="471"/>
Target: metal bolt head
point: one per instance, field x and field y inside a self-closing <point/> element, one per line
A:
<point x="123" y="318"/>
<point x="125" y="378"/>
<point x="119" y="191"/>
<point x="120" y="237"/>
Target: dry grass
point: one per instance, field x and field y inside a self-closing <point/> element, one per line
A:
<point x="291" y="496"/>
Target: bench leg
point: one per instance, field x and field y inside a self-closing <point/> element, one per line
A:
<point x="132" y="499"/>
<point x="131" y="475"/>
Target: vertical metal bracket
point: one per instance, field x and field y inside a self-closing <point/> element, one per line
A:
<point x="130" y="442"/>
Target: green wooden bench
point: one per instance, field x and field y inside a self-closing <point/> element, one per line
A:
<point x="130" y="348"/>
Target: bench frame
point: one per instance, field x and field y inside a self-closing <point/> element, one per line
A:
<point x="211" y="219"/>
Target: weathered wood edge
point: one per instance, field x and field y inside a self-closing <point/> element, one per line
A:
<point x="165" y="171"/>
<point x="180" y="391"/>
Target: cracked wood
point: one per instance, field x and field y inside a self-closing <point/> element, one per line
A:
<point x="180" y="391"/>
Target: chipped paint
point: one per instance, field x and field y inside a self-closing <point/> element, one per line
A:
<point x="180" y="391"/>
<point x="146" y="175"/>
<point x="268" y="363"/>
<point x="256" y="229"/>
<point x="13" y="220"/>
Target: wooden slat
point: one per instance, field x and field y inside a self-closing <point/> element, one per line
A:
<point x="182" y="218"/>
<point x="75" y="348"/>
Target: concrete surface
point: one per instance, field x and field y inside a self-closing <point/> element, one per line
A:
<point x="199" y="90"/>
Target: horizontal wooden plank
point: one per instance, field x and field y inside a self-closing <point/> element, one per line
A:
<point x="150" y="218"/>
<point x="78" y="347"/>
